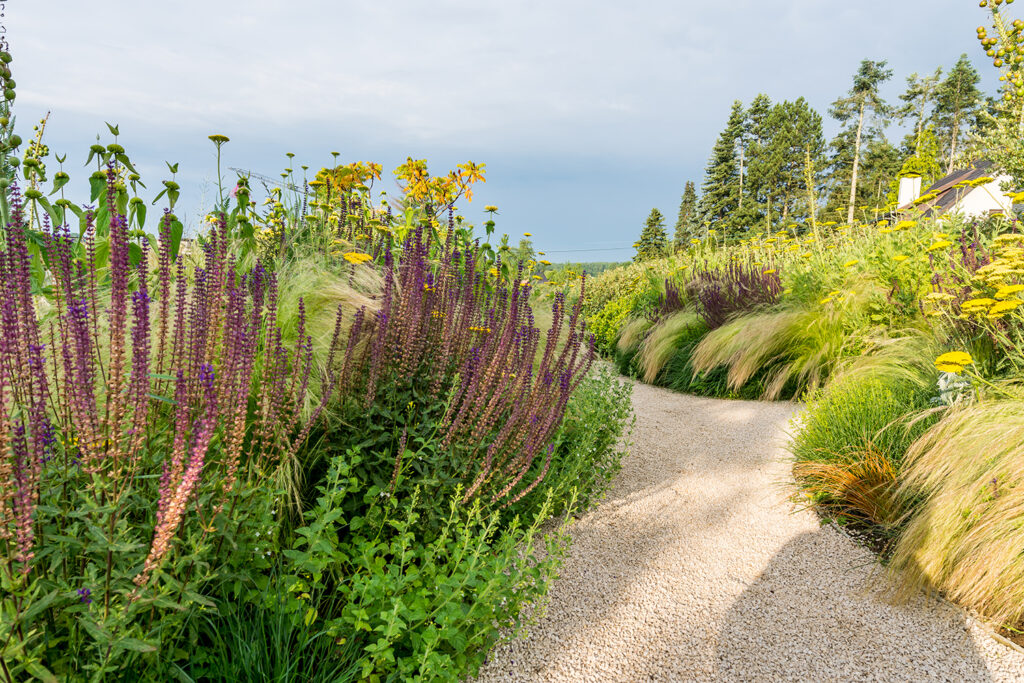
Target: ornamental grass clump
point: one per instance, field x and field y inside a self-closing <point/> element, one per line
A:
<point x="663" y="341"/>
<point x="795" y="349"/>
<point x="849" y="447"/>
<point x="965" y="535"/>
<point x="136" y="458"/>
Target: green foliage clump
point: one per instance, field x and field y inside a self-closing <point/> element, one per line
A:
<point x="589" y="444"/>
<point x="653" y="238"/>
<point x="858" y="413"/>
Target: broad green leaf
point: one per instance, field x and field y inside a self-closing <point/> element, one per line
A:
<point x="123" y="158"/>
<point x="96" y="188"/>
<point x="134" y="254"/>
<point x="135" y="645"/>
<point x="59" y="182"/>
<point x="177" y="229"/>
<point x="40" y="672"/>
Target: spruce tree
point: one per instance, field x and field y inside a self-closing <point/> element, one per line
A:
<point x="779" y="143"/>
<point x="756" y="135"/>
<point x="687" y="223"/>
<point x="720" y="191"/>
<point x="653" y="239"/>
<point x="861" y="107"/>
<point x="798" y="134"/>
<point x="957" y="104"/>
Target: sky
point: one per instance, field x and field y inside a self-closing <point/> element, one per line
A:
<point x="586" y="113"/>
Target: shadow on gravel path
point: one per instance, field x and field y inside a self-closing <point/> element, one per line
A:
<point x="696" y="568"/>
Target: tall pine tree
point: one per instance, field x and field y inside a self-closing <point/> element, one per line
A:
<point x="857" y="110"/>
<point x="957" y="105"/>
<point x="720" y="191"/>
<point x="653" y="239"/>
<point x="919" y="96"/>
<point x="687" y="223"/>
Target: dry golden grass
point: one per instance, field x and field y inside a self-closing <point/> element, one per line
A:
<point x="860" y="486"/>
<point x="966" y="537"/>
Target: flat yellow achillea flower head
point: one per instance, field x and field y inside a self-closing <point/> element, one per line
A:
<point x="954" y="361"/>
<point x="356" y="257"/>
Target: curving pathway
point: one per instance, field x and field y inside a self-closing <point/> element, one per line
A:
<point x="696" y="568"/>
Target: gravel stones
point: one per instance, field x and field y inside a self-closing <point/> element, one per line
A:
<point x="696" y="568"/>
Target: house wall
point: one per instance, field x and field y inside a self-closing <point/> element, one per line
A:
<point x="983" y="199"/>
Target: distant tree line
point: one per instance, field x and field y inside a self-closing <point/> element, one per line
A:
<point x="772" y="167"/>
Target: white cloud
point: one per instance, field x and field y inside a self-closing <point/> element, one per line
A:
<point x="590" y="85"/>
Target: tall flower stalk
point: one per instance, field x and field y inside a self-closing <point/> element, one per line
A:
<point x="140" y="406"/>
<point x="445" y="323"/>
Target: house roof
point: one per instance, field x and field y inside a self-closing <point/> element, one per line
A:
<point x="946" y="190"/>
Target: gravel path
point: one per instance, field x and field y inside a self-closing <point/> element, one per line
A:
<point x="697" y="569"/>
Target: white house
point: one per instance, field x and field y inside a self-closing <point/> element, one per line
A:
<point x="972" y="191"/>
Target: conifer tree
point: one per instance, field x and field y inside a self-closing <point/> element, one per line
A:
<point x="919" y="96"/>
<point x="687" y="223"/>
<point x="779" y="140"/>
<point x="922" y="158"/>
<point x="957" y="104"/>
<point x="720" y="192"/>
<point x="653" y="239"/>
<point x="756" y="137"/>
<point x="861" y="106"/>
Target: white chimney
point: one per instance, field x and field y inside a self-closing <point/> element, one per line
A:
<point x="910" y="189"/>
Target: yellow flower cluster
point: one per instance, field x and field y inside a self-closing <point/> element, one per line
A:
<point x="954" y="361"/>
<point x="417" y="183"/>
<point x="356" y="257"/>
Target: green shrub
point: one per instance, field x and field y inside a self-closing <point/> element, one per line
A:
<point x="422" y="607"/>
<point x="859" y="411"/>
<point x="588" y="446"/>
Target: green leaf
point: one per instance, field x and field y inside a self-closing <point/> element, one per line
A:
<point x="177" y="229"/>
<point x="199" y="599"/>
<point x="40" y="672"/>
<point x="134" y="254"/>
<point x="140" y="214"/>
<point x="169" y="378"/>
<point x="112" y="128"/>
<point x="135" y="645"/>
<point x="98" y="634"/>
<point x="102" y="253"/>
<point x="56" y="213"/>
<point x="96" y="188"/>
<point x="39" y="605"/>
<point x="59" y="182"/>
<point x="123" y="158"/>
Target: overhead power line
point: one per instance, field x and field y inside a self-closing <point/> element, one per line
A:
<point x="567" y="251"/>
